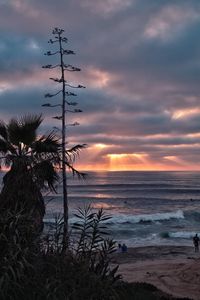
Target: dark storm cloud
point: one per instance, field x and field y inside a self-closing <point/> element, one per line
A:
<point x="140" y="62"/>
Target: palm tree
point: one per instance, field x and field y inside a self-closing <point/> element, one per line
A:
<point x="32" y="163"/>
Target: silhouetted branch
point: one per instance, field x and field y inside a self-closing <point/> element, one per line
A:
<point x="75" y="87"/>
<point x="72" y="103"/>
<point x="49" y="53"/>
<point x="57" y="79"/>
<point x="74" y="111"/>
<point x="70" y="94"/>
<point x="68" y="52"/>
<point x="52" y="95"/>
<point x="70" y="68"/>
<point x="57" y="117"/>
<point x="50" y="105"/>
<point x="50" y="66"/>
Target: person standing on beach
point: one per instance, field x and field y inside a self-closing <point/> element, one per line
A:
<point x="119" y="248"/>
<point x="196" y="243"/>
<point x="124" y="248"/>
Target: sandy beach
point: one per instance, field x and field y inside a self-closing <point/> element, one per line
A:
<point x="173" y="269"/>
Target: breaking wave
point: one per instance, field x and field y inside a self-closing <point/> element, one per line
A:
<point x="146" y="218"/>
<point x="130" y="219"/>
<point x="179" y="234"/>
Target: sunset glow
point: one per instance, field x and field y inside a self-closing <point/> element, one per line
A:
<point x="136" y="162"/>
<point x="184" y="113"/>
<point x="99" y="78"/>
<point x="100" y="146"/>
<point x="140" y="108"/>
<point x="126" y="161"/>
<point x="100" y="149"/>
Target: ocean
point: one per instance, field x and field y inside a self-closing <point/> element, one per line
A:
<point x="147" y="208"/>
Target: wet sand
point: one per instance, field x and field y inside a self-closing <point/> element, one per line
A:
<point x="173" y="269"/>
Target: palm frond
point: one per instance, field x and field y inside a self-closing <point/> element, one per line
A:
<point x="3" y="131"/>
<point x="44" y="172"/>
<point x="31" y="121"/>
<point x="47" y="144"/>
<point x="3" y="146"/>
<point x="14" y="131"/>
<point x="8" y="161"/>
<point x="76" y="149"/>
<point x="24" y="130"/>
<point x="73" y="152"/>
<point x="75" y="172"/>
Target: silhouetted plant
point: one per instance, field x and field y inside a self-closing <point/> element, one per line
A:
<point x="45" y="273"/>
<point x="18" y="243"/>
<point x="32" y="161"/>
<point x="65" y="106"/>
<point x="92" y="246"/>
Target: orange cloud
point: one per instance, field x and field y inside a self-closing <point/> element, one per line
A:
<point x="185" y="113"/>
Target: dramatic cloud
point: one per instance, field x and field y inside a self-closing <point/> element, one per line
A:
<point x="140" y="62"/>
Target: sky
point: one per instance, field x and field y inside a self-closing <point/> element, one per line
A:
<point x="140" y="62"/>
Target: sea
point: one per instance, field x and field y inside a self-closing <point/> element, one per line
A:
<point x="146" y="208"/>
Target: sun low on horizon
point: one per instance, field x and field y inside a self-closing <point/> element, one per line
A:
<point x="131" y="162"/>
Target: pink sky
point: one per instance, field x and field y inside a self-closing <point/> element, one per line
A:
<point x="140" y="62"/>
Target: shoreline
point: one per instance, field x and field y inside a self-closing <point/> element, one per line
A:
<point x="173" y="269"/>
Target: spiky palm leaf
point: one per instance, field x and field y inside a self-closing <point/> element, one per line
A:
<point x="23" y="130"/>
<point x="74" y="152"/>
<point x="32" y="163"/>
<point x="75" y="172"/>
<point x="3" y="146"/>
<point x="3" y="131"/>
<point x="46" y="144"/>
<point x="43" y="172"/>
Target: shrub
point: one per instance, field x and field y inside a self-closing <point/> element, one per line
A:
<point x="42" y="271"/>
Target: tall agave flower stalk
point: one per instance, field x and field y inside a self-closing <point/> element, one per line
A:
<point x="65" y="105"/>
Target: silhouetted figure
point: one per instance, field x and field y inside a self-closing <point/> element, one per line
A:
<point x="196" y="243"/>
<point x="124" y="248"/>
<point x="119" y="250"/>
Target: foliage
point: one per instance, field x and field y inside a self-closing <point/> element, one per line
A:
<point x="17" y="246"/>
<point x="85" y="272"/>
<point x="29" y="272"/>
<point x="33" y="161"/>
<point x="92" y="247"/>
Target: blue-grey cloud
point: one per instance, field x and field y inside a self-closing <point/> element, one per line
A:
<point x="140" y="61"/>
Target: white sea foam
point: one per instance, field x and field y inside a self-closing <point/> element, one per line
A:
<point x="119" y="219"/>
<point x="49" y="220"/>
<point x="183" y="234"/>
<point x="144" y="218"/>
